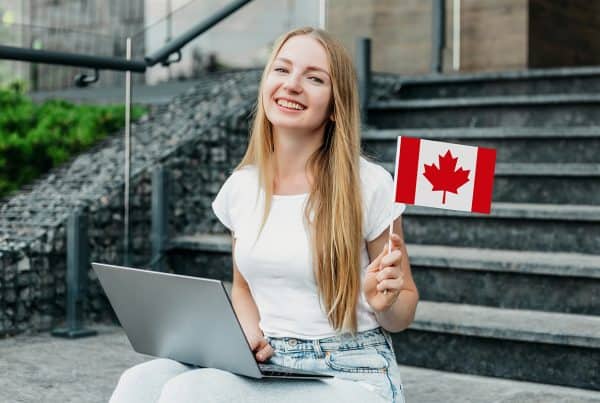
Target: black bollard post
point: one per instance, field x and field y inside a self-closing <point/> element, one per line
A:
<point x="78" y="262"/>
<point x="159" y="218"/>
<point x="438" y="36"/>
<point x="363" y="71"/>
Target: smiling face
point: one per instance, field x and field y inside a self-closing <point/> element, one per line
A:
<point x="297" y="91"/>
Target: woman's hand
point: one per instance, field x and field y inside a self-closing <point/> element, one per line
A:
<point x="384" y="273"/>
<point x="260" y="346"/>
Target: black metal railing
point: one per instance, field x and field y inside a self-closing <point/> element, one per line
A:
<point x="162" y="55"/>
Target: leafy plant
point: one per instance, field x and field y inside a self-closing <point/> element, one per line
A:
<point x="37" y="137"/>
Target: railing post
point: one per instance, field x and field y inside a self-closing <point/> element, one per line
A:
<point x="78" y="262"/>
<point x="127" y="173"/>
<point x="456" y="35"/>
<point x="159" y="217"/>
<point x="363" y="71"/>
<point x="439" y="35"/>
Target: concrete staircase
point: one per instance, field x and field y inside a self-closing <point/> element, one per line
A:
<point x="513" y="294"/>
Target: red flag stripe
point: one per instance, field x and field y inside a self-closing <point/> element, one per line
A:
<point x="484" y="180"/>
<point x="406" y="174"/>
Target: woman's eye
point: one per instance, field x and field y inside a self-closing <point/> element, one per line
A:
<point x="316" y="79"/>
<point x="280" y="69"/>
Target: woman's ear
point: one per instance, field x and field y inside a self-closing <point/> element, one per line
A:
<point x="332" y="118"/>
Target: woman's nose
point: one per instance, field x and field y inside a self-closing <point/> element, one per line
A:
<point x="292" y="83"/>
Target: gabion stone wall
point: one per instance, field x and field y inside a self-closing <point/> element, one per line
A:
<point x="198" y="138"/>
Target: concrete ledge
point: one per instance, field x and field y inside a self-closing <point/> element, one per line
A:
<point x="485" y="133"/>
<point x="506" y="261"/>
<point x="555" y="212"/>
<point x="566" y="72"/>
<point x="512" y="100"/>
<point x="511" y="324"/>
<point x="219" y="243"/>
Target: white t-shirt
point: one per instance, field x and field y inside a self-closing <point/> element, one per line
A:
<point x="279" y="267"/>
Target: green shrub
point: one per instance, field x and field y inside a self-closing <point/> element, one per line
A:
<point x="37" y="137"/>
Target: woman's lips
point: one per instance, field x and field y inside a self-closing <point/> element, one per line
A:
<point x="285" y="109"/>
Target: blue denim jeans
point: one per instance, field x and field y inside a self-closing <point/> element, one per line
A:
<point x="368" y="359"/>
<point x="364" y="370"/>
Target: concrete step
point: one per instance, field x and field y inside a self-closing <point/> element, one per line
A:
<point x="546" y="281"/>
<point x="40" y="368"/>
<point x="563" y="183"/>
<point x="516" y="226"/>
<point x="493" y="111"/>
<point x="512" y="144"/>
<point x="525" y="82"/>
<point x="556" y="348"/>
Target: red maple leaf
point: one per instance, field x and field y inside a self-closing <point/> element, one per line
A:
<point x="446" y="178"/>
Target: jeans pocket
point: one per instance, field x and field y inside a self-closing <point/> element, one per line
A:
<point x="366" y="359"/>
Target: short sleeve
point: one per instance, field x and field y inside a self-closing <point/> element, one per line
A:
<point x="221" y="205"/>
<point x="382" y="208"/>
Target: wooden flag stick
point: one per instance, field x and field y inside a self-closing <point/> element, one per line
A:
<point x="390" y="245"/>
<point x="398" y="142"/>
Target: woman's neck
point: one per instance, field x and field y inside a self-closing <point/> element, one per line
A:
<point x="292" y="151"/>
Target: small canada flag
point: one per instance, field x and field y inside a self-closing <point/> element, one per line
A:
<point x="444" y="175"/>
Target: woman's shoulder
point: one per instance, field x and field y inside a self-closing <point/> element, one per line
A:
<point x="244" y="175"/>
<point x="372" y="173"/>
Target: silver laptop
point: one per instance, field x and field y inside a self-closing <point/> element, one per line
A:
<point x="188" y="319"/>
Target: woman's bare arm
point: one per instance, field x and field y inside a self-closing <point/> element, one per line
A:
<point x="247" y="313"/>
<point x="243" y="302"/>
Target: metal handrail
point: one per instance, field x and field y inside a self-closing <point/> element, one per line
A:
<point x="71" y="59"/>
<point x="118" y="63"/>
<point x="162" y="54"/>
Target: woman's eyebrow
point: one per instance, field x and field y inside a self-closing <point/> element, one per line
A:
<point x="288" y="61"/>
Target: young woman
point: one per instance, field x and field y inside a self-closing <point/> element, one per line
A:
<point x="314" y="285"/>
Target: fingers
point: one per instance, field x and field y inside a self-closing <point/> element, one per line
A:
<point x="393" y="259"/>
<point x="265" y="352"/>
<point x="387" y="273"/>
<point x="375" y="265"/>
<point x="384" y="259"/>
<point x="396" y="241"/>
<point x="392" y="285"/>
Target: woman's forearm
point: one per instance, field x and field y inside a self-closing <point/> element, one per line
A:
<point x="401" y="314"/>
<point x="246" y="310"/>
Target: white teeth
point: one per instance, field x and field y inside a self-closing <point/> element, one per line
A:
<point x="288" y="104"/>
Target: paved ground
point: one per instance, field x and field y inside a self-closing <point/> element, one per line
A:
<point x="45" y="369"/>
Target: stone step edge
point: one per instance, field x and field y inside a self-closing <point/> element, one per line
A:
<point x="541" y="169"/>
<point x="508" y="324"/>
<point x="509" y="75"/>
<point x="502" y="100"/>
<point x="507" y="261"/>
<point x="484" y="132"/>
<point x="520" y="211"/>
<point x="451" y="257"/>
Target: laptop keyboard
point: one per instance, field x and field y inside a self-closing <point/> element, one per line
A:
<point x="279" y="370"/>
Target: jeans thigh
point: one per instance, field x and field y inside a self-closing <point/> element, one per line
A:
<point x="366" y="366"/>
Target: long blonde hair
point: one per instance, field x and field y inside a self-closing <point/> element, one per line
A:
<point x="335" y="198"/>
